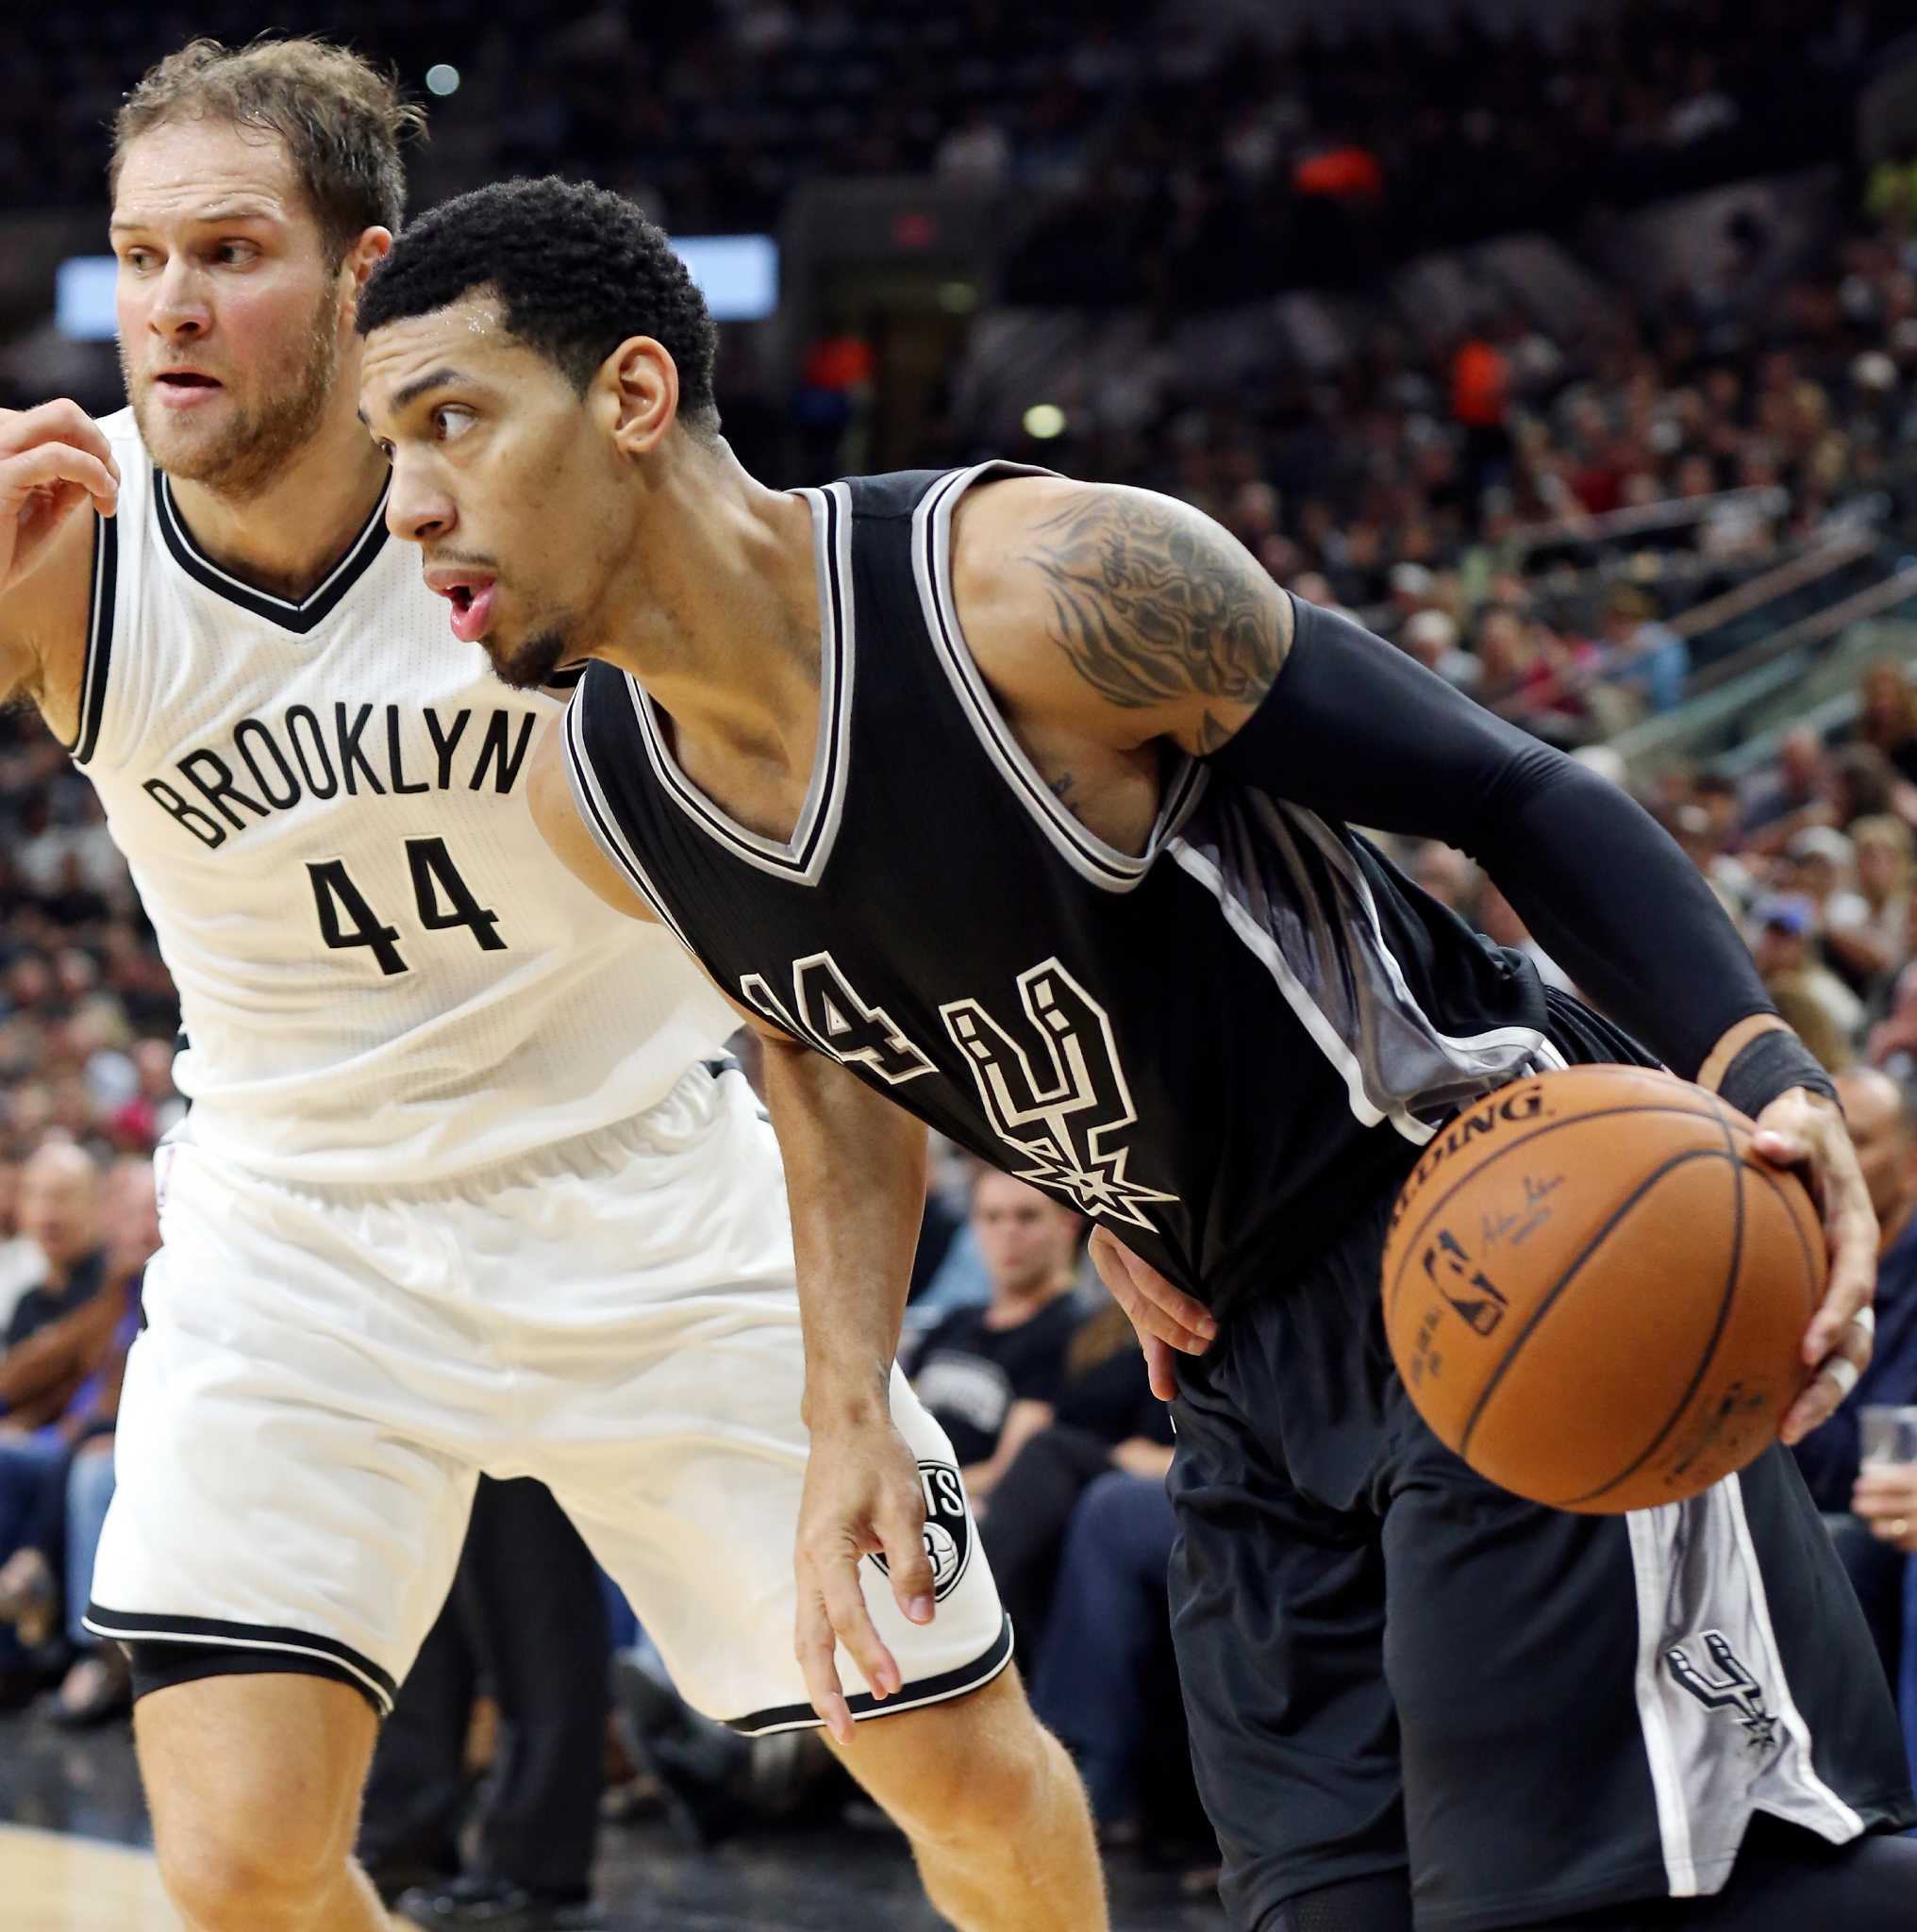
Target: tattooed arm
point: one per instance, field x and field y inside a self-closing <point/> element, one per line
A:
<point x="1126" y="615"/>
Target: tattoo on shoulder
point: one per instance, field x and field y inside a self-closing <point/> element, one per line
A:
<point x="1153" y="603"/>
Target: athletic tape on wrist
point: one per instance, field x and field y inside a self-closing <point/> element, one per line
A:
<point x="1770" y="1064"/>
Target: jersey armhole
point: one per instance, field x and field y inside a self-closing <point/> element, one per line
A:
<point x="590" y="799"/>
<point x="96" y="664"/>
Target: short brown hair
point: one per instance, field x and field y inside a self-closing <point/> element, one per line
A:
<point x="341" y="119"/>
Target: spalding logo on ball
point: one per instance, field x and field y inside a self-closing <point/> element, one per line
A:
<point x="948" y="1528"/>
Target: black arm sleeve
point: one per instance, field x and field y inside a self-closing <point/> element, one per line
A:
<point x="1355" y="729"/>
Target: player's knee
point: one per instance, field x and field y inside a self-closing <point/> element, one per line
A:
<point x="265" y="1872"/>
<point x="1000" y="1786"/>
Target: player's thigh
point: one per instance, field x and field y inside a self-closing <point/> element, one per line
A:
<point x="1278" y="1614"/>
<point x="282" y="1485"/>
<point x="693" y="1513"/>
<point x="1594" y="1708"/>
<point x="252" y="1781"/>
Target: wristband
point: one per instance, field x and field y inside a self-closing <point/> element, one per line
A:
<point x="1770" y="1064"/>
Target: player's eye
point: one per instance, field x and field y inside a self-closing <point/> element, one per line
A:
<point x="451" y="420"/>
<point x="138" y="259"/>
<point x="231" y="254"/>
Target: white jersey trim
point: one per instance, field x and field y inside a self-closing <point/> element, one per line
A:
<point x="1089" y="855"/>
<point x="599" y="819"/>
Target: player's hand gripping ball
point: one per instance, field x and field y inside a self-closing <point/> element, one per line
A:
<point x="1596" y="1294"/>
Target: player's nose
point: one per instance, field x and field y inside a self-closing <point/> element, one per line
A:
<point x="415" y="511"/>
<point x="179" y="309"/>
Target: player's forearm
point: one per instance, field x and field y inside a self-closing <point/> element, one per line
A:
<point x="855" y="1177"/>
<point x="1355" y="729"/>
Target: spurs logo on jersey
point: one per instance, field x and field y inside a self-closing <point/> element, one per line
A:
<point x="1727" y="1685"/>
<point x="948" y="1528"/>
<point x="1065" y="1101"/>
<point x="1057" y="1096"/>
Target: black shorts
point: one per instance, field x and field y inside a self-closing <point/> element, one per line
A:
<point x="1390" y="1664"/>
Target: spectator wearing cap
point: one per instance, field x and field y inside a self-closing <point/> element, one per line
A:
<point x="1431" y="638"/>
<point x="1643" y="658"/>
<point x="1788" y="956"/>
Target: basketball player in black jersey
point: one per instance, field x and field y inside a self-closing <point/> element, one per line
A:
<point x="1023" y="803"/>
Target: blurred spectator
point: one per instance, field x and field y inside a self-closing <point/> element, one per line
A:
<point x="991" y="1374"/>
<point x="1644" y="657"/>
<point x="1108" y="1639"/>
<point x="1431" y="638"/>
<point x="1886" y="715"/>
<point x="22" y="1264"/>
<point x="1105" y="1417"/>
<point x="1448" y="874"/>
<point x="1788" y="956"/>
<point x="1498" y="921"/>
<point x="1781" y="799"/>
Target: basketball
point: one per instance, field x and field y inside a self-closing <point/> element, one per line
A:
<point x="1597" y="1294"/>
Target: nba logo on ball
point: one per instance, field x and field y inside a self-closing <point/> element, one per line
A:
<point x="948" y="1528"/>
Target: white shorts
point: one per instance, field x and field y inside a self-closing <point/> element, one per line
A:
<point x="326" y="1370"/>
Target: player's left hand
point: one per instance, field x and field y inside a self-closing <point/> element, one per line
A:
<point x="1165" y="1318"/>
<point x="1806" y="1131"/>
<point x="1885" y="1498"/>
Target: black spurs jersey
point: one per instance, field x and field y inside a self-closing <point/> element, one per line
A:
<point x="1218" y="1046"/>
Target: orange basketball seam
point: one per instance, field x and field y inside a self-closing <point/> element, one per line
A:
<point x="1549" y="1300"/>
<point x="1412" y="1235"/>
<point x="1710" y="1348"/>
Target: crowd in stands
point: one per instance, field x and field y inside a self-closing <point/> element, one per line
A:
<point x="1442" y="491"/>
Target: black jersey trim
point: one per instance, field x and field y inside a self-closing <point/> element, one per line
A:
<point x="803" y="857"/>
<point x="298" y="618"/>
<point x="589" y="799"/>
<point x="99" y="658"/>
<point x="1104" y="865"/>
<point x="138" y="1627"/>
<point x="912" y="1697"/>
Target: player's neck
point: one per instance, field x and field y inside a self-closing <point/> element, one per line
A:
<point x="715" y="610"/>
<point x="285" y="535"/>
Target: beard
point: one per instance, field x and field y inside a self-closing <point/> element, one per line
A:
<point x="531" y="664"/>
<point x="257" y="441"/>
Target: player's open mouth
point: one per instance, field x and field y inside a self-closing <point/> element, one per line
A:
<point x="182" y="388"/>
<point x="470" y="593"/>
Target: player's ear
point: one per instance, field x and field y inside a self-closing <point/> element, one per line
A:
<point x="640" y="383"/>
<point x="365" y="255"/>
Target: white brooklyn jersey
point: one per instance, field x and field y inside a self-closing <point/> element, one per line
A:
<point x="383" y="974"/>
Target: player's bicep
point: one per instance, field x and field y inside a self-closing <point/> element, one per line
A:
<point x="555" y="813"/>
<point x="1119" y="611"/>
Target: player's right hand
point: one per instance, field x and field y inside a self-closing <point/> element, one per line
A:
<point x="861" y="1499"/>
<point x="1164" y="1317"/>
<point x="53" y="459"/>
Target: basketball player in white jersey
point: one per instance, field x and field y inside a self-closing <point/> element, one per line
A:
<point x="457" y="1192"/>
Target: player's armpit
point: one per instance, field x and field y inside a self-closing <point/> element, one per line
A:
<point x="549" y="793"/>
<point x="1120" y="613"/>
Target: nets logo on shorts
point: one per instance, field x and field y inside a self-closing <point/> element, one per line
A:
<point x="948" y="1528"/>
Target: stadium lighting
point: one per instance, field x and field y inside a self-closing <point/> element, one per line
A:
<point x="442" y="79"/>
<point x="1044" y="421"/>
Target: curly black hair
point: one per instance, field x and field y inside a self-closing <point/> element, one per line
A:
<point x="575" y="269"/>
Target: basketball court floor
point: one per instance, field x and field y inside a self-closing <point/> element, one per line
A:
<point x="72" y="1859"/>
